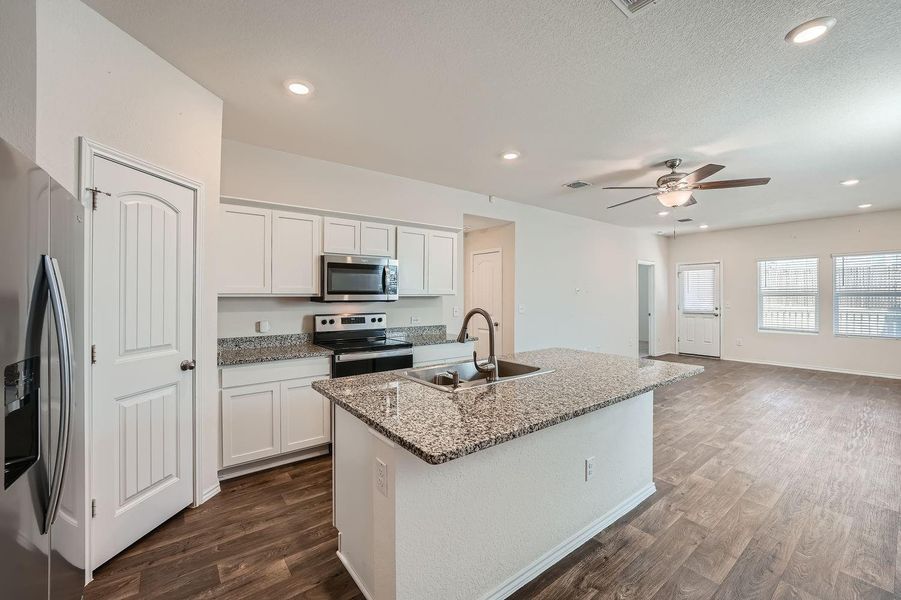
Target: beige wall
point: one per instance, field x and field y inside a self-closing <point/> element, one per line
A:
<point x="94" y="80"/>
<point x="18" y="69"/>
<point x="503" y="237"/>
<point x="739" y="250"/>
<point x="576" y="278"/>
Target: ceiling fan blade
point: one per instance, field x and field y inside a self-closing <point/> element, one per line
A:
<point x="691" y="201"/>
<point x="629" y="188"/>
<point x="702" y="173"/>
<point x="632" y="200"/>
<point x="731" y="183"/>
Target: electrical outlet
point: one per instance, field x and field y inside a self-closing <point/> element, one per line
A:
<point x="381" y="477"/>
<point x="739" y="342"/>
<point x="263" y="326"/>
<point x="589" y="468"/>
<point x="522" y="309"/>
<point x="415" y="320"/>
<point x="456" y="311"/>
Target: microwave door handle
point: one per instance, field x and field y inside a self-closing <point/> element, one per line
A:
<point x="64" y="347"/>
<point x="385" y="280"/>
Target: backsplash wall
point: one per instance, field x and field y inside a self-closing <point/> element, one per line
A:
<point x="238" y="316"/>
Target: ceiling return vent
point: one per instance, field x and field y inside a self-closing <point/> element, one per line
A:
<point x="630" y="7"/>
<point x="574" y="185"/>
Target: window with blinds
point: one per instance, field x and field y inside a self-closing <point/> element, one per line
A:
<point x="788" y="295"/>
<point x="867" y="295"/>
<point x="698" y="290"/>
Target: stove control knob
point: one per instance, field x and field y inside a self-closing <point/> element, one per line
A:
<point x="331" y="321"/>
<point x="324" y="321"/>
<point x="372" y="319"/>
<point x="380" y="319"/>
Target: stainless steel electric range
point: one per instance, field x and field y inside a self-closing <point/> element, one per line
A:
<point x="360" y="344"/>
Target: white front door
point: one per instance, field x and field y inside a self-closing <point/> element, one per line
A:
<point x="699" y="309"/>
<point x="488" y="293"/>
<point x="143" y="329"/>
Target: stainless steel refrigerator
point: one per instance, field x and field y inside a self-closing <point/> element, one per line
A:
<point x="42" y="353"/>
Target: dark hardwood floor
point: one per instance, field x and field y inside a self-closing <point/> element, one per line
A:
<point x="772" y="483"/>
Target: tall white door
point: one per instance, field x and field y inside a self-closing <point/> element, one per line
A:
<point x="487" y="283"/>
<point x="143" y="330"/>
<point x="699" y="309"/>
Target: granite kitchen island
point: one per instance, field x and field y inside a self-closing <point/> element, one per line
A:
<point x="470" y="494"/>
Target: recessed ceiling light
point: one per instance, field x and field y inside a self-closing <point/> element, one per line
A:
<point x="704" y="226"/>
<point x="850" y="182"/>
<point x="663" y="213"/>
<point x="810" y="31"/>
<point x="864" y="205"/>
<point x="510" y="155"/>
<point x="299" y="88"/>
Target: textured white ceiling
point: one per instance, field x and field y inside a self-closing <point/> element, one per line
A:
<point x="437" y="90"/>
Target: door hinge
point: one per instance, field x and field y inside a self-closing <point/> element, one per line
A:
<point x="93" y="354"/>
<point x="93" y="508"/>
<point x="94" y="191"/>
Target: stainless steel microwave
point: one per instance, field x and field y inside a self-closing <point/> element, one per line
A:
<point x="348" y="278"/>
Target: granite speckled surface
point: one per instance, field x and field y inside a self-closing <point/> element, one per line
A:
<point x="424" y="335"/>
<point x="265" y="348"/>
<point x="440" y="426"/>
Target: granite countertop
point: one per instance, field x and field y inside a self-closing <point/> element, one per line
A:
<point x="440" y="426"/>
<point x="266" y="348"/>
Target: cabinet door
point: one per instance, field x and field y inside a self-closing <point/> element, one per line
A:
<point x="377" y="239"/>
<point x="251" y="423"/>
<point x="295" y="253"/>
<point x="442" y="269"/>
<point x="340" y="236"/>
<point x="305" y="415"/>
<point x="245" y="250"/>
<point x="413" y="261"/>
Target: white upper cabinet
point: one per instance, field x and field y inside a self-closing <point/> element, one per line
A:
<point x="295" y="253"/>
<point x="442" y="273"/>
<point x="340" y="236"/>
<point x="427" y="262"/>
<point x="245" y="251"/>
<point x="377" y="239"/>
<point x="412" y="261"/>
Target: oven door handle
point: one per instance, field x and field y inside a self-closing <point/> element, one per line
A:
<point x="354" y="356"/>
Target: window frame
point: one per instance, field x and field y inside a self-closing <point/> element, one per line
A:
<point x="835" y="311"/>
<point x="817" y="297"/>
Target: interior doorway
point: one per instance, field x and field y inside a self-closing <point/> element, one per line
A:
<point x="488" y="247"/>
<point x="647" y="329"/>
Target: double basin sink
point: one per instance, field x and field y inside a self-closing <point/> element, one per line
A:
<point x="441" y="377"/>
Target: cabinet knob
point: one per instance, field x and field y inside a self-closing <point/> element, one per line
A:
<point x="188" y="365"/>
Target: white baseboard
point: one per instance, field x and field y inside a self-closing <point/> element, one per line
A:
<point x="556" y="554"/>
<point x="813" y="368"/>
<point x="274" y="461"/>
<point x="209" y="493"/>
<point x="354" y="576"/>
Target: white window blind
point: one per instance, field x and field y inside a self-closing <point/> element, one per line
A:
<point x="868" y="295"/>
<point x="698" y="290"/>
<point x="787" y="295"/>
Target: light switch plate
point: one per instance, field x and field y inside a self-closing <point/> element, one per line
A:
<point x="415" y="320"/>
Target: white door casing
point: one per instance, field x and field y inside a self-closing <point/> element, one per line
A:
<point x="699" y="309"/>
<point x="143" y="327"/>
<point x="487" y="282"/>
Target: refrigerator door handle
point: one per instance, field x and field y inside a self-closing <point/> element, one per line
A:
<point x="64" y="343"/>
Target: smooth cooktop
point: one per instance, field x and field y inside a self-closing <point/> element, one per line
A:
<point x="364" y="345"/>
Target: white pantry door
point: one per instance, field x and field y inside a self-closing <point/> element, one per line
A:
<point x="143" y="329"/>
<point x="488" y="293"/>
<point x="699" y="309"/>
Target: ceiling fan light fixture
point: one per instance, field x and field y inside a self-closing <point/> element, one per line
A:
<point x="674" y="199"/>
<point x="810" y="31"/>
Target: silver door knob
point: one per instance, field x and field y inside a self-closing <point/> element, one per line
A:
<point x="188" y="365"/>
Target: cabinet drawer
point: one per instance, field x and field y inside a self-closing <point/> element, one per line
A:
<point x="274" y="371"/>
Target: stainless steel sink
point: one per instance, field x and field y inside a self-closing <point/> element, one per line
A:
<point x="441" y="377"/>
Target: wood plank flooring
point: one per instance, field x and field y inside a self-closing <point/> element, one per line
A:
<point x="772" y="483"/>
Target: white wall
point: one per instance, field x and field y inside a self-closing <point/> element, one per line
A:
<point x="739" y="250"/>
<point x="18" y="67"/>
<point x="95" y="80"/>
<point x="575" y="277"/>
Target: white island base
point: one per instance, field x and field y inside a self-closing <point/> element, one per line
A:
<point x="483" y="525"/>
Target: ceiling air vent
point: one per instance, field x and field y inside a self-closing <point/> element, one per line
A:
<point x="685" y="220"/>
<point x="574" y="185"/>
<point x="630" y="7"/>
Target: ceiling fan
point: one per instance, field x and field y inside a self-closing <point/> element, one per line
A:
<point x="674" y="189"/>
